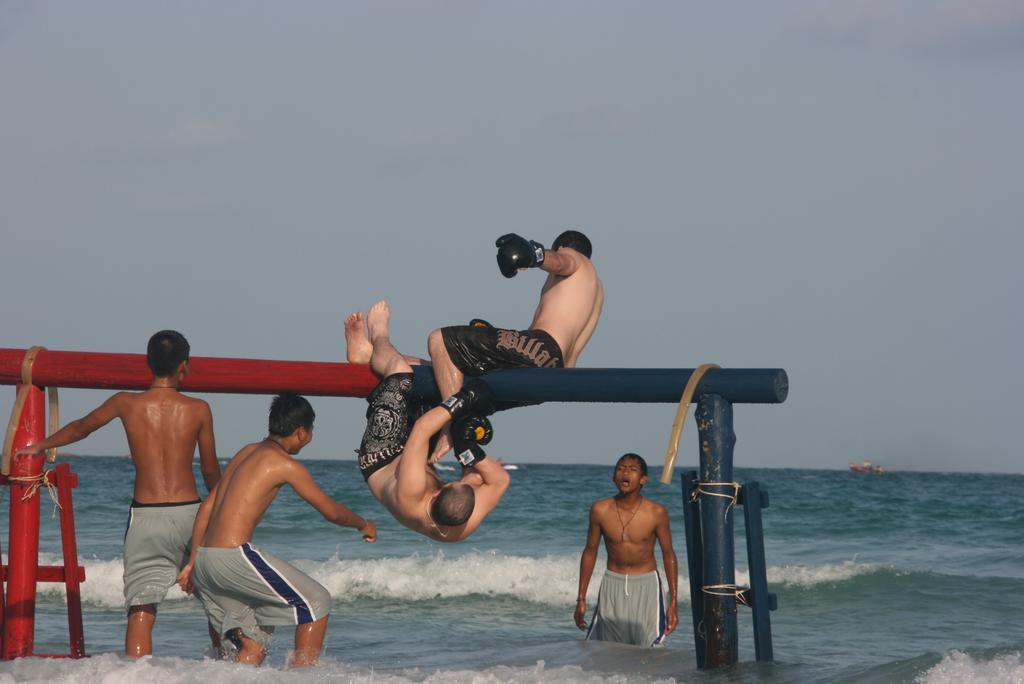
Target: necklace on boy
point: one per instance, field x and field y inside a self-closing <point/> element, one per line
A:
<point x="618" y="512"/>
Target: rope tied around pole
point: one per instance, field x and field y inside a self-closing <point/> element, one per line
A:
<point x="36" y="482"/>
<point x="726" y="591"/>
<point x="699" y="491"/>
<point x="19" y="402"/>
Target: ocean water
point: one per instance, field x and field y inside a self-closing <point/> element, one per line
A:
<point x="904" y="577"/>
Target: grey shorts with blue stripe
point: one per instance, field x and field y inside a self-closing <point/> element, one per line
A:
<point x="156" y="548"/>
<point x="245" y="588"/>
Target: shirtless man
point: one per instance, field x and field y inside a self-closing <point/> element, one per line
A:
<point x="630" y="604"/>
<point x="393" y="454"/>
<point x="246" y="591"/>
<point x="569" y="308"/>
<point x="163" y="428"/>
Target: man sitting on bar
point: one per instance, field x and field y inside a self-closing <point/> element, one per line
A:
<point x="566" y="316"/>
<point x="163" y="428"/>
<point x="394" y="452"/>
<point x="630" y="603"/>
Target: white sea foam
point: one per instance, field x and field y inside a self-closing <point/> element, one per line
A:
<point x="114" y="669"/>
<point x="807" y="576"/>
<point x="957" y="667"/>
<point x="550" y="580"/>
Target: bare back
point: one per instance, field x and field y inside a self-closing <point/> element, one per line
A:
<point x="163" y="428"/>
<point x="570" y="305"/>
<point x="245" y="491"/>
<point x="629" y="539"/>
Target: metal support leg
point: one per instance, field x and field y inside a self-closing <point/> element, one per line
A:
<point x="695" y="562"/>
<point x="761" y="602"/>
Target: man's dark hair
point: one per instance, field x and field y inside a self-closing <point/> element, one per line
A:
<point x="289" y="412"/>
<point x="165" y="352"/>
<point x="576" y="240"/>
<point x="454" y="504"/>
<point x="636" y="457"/>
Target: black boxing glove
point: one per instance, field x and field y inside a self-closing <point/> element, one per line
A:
<point x="468" y="453"/>
<point x="468" y="433"/>
<point x="474" y="398"/>
<point x="473" y="429"/>
<point x="516" y="252"/>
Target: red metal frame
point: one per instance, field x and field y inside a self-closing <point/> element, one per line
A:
<point x="113" y="371"/>
<point x="73" y="573"/>
<point x="23" y="545"/>
<point x="97" y="370"/>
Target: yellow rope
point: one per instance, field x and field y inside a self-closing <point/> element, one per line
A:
<point x="53" y="421"/>
<point x="35" y="483"/>
<point x="19" y="403"/>
<point x="680" y="419"/>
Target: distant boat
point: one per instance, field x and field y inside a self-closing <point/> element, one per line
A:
<point x="867" y="467"/>
<point x="506" y="466"/>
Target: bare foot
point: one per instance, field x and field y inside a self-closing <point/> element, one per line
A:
<point x="377" y="319"/>
<point x="358" y="347"/>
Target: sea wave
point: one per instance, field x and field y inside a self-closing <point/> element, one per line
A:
<point x="957" y="667"/>
<point x="808" y="576"/>
<point x="550" y="580"/>
<point x="114" y="669"/>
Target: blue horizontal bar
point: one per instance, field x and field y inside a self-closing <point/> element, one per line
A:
<point x="628" y="385"/>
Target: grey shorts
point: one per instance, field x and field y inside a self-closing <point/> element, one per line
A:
<point x="630" y="610"/>
<point x="251" y="590"/>
<point x="156" y="547"/>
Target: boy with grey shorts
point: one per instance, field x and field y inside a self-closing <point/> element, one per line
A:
<point x="246" y="589"/>
<point x="156" y="547"/>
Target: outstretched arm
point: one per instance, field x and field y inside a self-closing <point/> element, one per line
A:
<point x="668" y="557"/>
<point x="208" y="464"/>
<point x="588" y="559"/>
<point x="79" y="429"/>
<point x="305" y="486"/>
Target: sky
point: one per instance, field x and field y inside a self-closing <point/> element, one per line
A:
<point x="836" y="189"/>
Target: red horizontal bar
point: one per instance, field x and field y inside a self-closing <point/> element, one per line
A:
<point x="96" y="370"/>
<point x="47" y="573"/>
<point x="54" y="477"/>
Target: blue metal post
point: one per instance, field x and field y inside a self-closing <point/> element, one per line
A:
<point x="714" y="423"/>
<point x="694" y="561"/>
<point x="761" y="602"/>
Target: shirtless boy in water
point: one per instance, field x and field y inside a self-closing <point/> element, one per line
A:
<point x="630" y="604"/>
<point x="393" y="454"/>
<point x="163" y="428"/>
<point x="245" y="591"/>
<point x="566" y="316"/>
